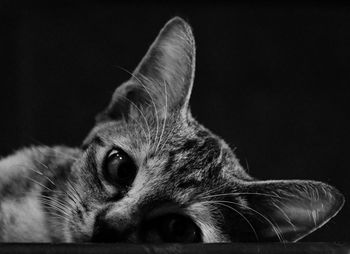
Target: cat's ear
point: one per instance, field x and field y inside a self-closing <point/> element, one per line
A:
<point x="290" y="210"/>
<point x="163" y="79"/>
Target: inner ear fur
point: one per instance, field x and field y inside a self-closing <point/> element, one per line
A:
<point x="163" y="79"/>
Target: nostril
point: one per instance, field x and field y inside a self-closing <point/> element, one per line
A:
<point x="103" y="232"/>
<point x="171" y="228"/>
<point x="109" y="230"/>
<point x="177" y="229"/>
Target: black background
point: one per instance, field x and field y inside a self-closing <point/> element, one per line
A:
<point x="271" y="79"/>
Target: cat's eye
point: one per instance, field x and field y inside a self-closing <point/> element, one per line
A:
<point x="119" y="167"/>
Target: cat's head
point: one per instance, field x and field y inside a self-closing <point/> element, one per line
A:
<point x="151" y="173"/>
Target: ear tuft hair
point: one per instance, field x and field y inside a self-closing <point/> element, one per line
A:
<point x="164" y="77"/>
<point x="291" y="209"/>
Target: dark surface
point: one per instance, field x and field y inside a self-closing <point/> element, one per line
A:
<point x="299" y="248"/>
<point x="271" y="79"/>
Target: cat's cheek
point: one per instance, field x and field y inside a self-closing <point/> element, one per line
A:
<point x="67" y="236"/>
<point x="75" y="234"/>
<point x="206" y="221"/>
<point x="70" y="231"/>
<point x="80" y="229"/>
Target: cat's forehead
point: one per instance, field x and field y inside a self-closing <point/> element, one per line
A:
<point x="158" y="137"/>
<point x="184" y="149"/>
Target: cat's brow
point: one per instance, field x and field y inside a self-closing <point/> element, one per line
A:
<point x="95" y="140"/>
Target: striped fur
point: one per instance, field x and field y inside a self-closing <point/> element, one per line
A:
<point x="60" y="194"/>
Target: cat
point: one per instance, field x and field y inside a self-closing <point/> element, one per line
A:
<point x="148" y="172"/>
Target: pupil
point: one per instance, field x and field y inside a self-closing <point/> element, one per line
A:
<point x="124" y="171"/>
<point x="120" y="168"/>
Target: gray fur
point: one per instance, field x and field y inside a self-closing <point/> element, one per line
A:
<point x="182" y="167"/>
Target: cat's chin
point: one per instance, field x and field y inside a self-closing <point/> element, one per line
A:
<point x="72" y="234"/>
<point x="78" y="239"/>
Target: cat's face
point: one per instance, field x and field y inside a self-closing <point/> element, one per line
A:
<point x="151" y="173"/>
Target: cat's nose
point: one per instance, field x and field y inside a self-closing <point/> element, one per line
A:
<point x="170" y="228"/>
<point x="112" y="230"/>
<point x="164" y="228"/>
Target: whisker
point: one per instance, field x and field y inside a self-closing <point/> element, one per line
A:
<point x="42" y="164"/>
<point x="149" y="94"/>
<point x="284" y="213"/>
<point x="53" y="201"/>
<point x="170" y="135"/>
<point x="57" y="153"/>
<point x="49" y="180"/>
<point x="247" y="165"/>
<point x="55" y="214"/>
<point x="31" y="179"/>
<point x="239" y="213"/>
<point x="244" y="193"/>
<point x="55" y="204"/>
<point x="144" y="118"/>
<point x="274" y="227"/>
<point x="212" y="190"/>
<point x="69" y="195"/>
<point x="56" y="207"/>
<point x="74" y="192"/>
<point x="165" y="118"/>
<point x="36" y="171"/>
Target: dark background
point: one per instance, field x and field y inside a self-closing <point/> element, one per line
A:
<point x="271" y="79"/>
